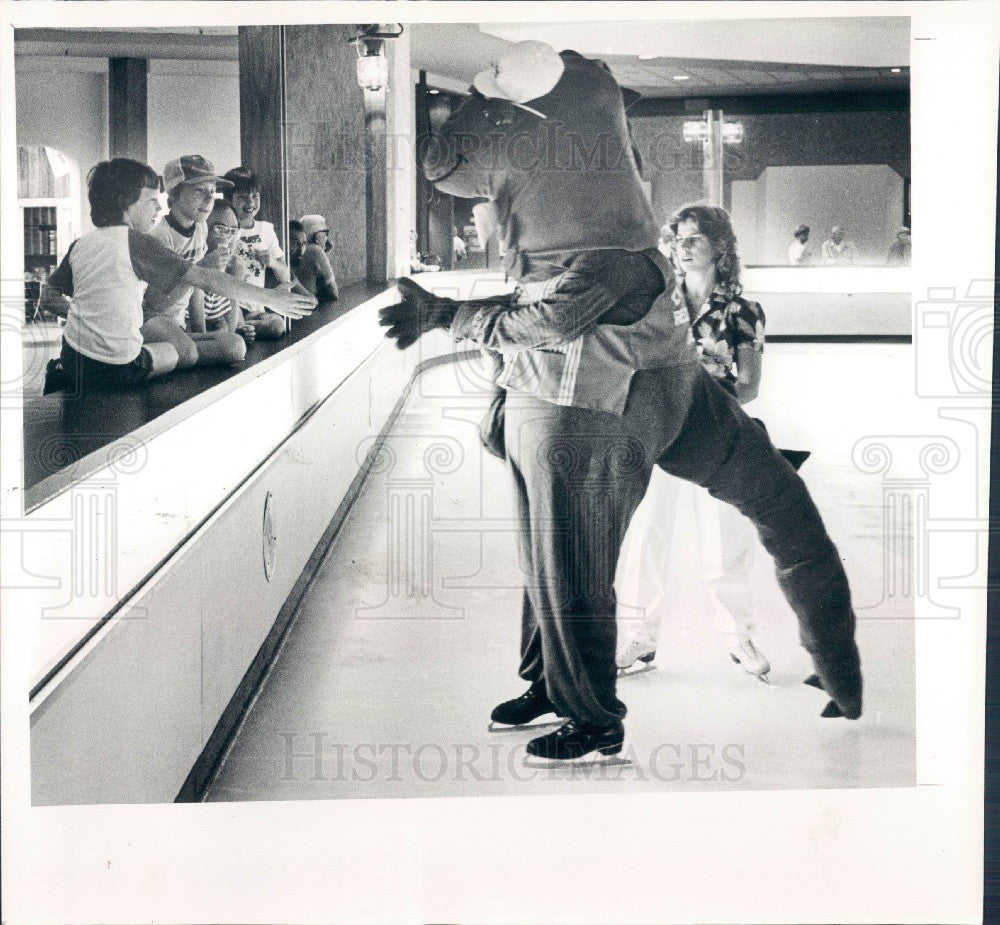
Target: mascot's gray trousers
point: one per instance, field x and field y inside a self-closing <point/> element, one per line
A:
<point x="579" y="476"/>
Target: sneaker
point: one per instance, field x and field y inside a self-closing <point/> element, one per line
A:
<point x="749" y="658"/>
<point x="534" y="702"/>
<point x="573" y="741"/>
<point x="635" y="650"/>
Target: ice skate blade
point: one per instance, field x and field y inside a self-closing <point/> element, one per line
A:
<point x="593" y="759"/>
<point x="760" y="677"/>
<point x="534" y="724"/>
<point x="635" y="669"/>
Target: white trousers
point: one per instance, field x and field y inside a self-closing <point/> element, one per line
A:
<point x="725" y="541"/>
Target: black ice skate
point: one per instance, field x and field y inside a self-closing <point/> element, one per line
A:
<point x="575" y="741"/>
<point x="521" y="711"/>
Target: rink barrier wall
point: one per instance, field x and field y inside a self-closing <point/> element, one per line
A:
<point x="137" y="704"/>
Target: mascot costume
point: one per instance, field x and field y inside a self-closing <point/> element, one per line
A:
<point x="602" y="382"/>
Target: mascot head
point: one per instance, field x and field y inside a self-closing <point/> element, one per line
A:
<point x="529" y="70"/>
<point x="544" y="137"/>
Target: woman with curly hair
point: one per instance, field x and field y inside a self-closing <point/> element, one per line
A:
<point x="729" y="333"/>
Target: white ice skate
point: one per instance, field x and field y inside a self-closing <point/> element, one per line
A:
<point x="636" y="650"/>
<point x="750" y="659"/>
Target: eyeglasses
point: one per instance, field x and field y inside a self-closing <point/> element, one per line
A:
<point x="202" y="193"/>
<point x="690" y="241"/>
<point x="227" y="231"/>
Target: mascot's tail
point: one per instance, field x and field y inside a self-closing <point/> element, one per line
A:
<point x="764" y="486"/>
<point x="810" y="573"/>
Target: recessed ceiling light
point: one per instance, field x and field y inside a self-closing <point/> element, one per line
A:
<point x="433" y="91"/>
<point x="897" y="70"/>
<point x="682" y="76"/>
<point x="647" y="57"/>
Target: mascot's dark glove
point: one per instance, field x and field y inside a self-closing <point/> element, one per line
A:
<point x="419" y="312"/>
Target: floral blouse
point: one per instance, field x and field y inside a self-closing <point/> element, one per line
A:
<point x="724" y="323"/>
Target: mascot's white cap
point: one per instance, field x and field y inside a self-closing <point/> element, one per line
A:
<point x="525" y="72"/>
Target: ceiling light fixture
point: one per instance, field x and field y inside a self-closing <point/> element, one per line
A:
<point x="373" y="66"/>
<point x="732" y="133"/>
<point x="897" y="70"/>
<point x="682" y="76"/>
<point x="697" y="130"/>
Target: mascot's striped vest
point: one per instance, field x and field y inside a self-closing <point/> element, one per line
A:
<point x="595" y="370"/>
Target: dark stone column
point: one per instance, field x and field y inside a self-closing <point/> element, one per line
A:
<point x="127" y="112"/>
<point x="318" y="141"/>
<point x="262" y="118"/>
<point x="326" y="146"/>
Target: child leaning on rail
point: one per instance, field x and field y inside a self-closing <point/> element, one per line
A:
<point x="178" y="316"/>
<point x="257" y="245"/>
<point x="98" y="288"/>
<point x="222" y="314"/>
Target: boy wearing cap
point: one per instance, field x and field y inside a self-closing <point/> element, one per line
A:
<point x="317" y="232"/>
<point x="178" y="316"/>
<point x="308" y="257"/>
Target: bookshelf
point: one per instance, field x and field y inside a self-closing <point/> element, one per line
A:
<point x="48" y="231"/>
<point x="40" y="238"/>
<point x="49" y="196"/>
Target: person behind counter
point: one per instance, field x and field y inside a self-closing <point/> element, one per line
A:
<point x="799" y="253"/>
<point x="310" y="265"/>
<point x="900" y="249"/>
<point x="222" y="314"/>
<point x="838" y="252"/>
<point x="257" y="245"/>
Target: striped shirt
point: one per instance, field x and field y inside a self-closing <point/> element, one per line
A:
<point x="583" y="326"/>
<point x="216" y="306"/>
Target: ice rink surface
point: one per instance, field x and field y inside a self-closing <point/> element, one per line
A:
<point x="382" y="690"/>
